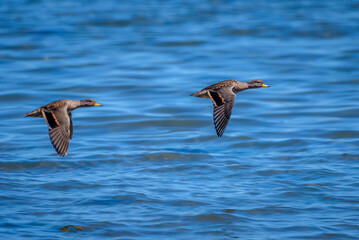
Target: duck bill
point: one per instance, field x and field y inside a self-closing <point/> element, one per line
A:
<point x="264" y="85"/>
<point x="96" y="105"/>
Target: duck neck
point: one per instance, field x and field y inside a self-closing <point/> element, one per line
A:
<point x="73" y="104"/>
<point x="251" y="85"/>
<point x="240" y="86"/>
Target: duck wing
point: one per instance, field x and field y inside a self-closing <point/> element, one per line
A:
<point x="60" y="129"/>
<point x="223" y="101"/>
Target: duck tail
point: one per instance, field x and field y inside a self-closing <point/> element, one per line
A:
<point x="35" y="113"/>
<point x="201" y="94"/>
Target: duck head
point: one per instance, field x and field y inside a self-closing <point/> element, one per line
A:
<point x="257" y="83"/>
<point x="89" y="103"/>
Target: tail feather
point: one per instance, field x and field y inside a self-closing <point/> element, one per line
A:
<point x="35" y="113"/>
<point x="201" y="94"/>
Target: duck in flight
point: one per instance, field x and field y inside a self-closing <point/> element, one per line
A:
<point x="223" y="95"/>
<point x="58" y="117"/>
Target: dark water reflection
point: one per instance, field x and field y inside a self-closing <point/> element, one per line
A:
<point x="147" y="165"/>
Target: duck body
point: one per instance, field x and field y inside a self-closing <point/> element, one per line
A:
<point x="235" y="86"/>
<point x="59" y="105"/>
<point x="223" y="95"/>
<point x="58" y="117"/>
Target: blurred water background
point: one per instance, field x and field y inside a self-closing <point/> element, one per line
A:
<point x="148" y="164"/>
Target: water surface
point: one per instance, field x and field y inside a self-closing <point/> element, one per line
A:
<point x="148" y="164"/>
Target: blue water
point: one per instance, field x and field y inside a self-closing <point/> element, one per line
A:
<point x="148" y="164"/>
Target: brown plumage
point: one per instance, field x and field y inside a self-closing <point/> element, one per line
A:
<point x="58" y="117"/>
<point x="223" y="95"/>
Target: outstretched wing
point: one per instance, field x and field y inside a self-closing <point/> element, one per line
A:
<point x="60" y="132"/>
<point x="223" y="101"/>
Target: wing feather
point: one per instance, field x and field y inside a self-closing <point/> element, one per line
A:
<point x="60" y="131"/>
<point x="71" y="126"/>
<point x="60" y="139"/>
<point x="223" y="101"/>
